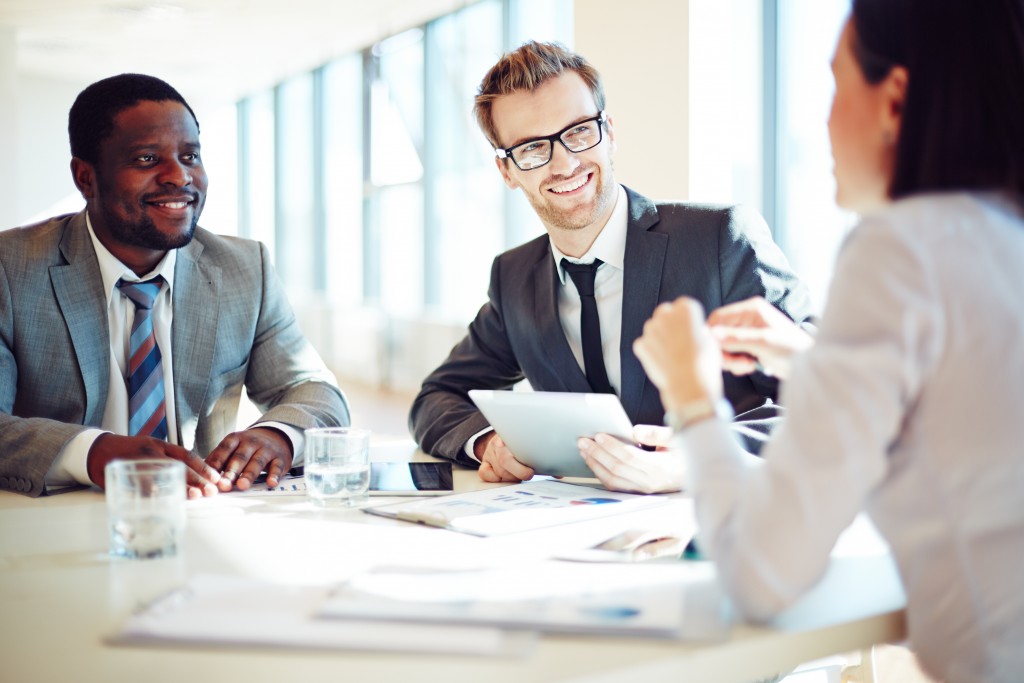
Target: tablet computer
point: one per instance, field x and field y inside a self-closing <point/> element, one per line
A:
<point x="410" y="478"/>
<point x="541" y="427"/>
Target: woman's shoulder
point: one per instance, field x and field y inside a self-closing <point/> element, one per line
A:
<point x="940" y="210"/>
<point x="946" y="216"/>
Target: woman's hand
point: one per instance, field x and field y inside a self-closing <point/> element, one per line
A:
<point x="754" y="335"/>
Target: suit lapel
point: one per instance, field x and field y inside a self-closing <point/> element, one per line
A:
<point x="78" y="287"/>
<point x="641" y="289"/>
<point x="553" y="344"/>
<point x="193" y="335"/>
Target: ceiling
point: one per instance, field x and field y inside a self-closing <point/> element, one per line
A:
<point x="211" y="50"/>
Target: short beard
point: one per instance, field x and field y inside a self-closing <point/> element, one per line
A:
<point x="572" y="221"/>
<point x="143" y="233"/>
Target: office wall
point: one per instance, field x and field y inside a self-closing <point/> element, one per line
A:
<point x="44" y="186"/>
<point x="641" y="49"/>
<point x="8" y="127"/>
<point x="35" y="177"/>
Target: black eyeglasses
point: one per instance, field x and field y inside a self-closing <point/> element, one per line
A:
<point x="579" y="137"/>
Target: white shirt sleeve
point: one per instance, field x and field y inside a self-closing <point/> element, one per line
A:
<point x="70" y="465"/>
<point x="771" y="529"/>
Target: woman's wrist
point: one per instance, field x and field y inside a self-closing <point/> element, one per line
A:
<point x="692" y="403"/>
<point x="680" y="416"/>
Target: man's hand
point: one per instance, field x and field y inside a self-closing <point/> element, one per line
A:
<point x="623" y="467"/>
<point x="497" y="462"/>
<point x="241" y="456"/>
<point x="753" y="332"/>
<point x="199" y="478"/>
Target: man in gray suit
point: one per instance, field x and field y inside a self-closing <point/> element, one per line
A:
<point x="93" y="369"/>
<point x="543" y="110"/>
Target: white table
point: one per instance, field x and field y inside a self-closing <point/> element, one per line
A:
<point x="61" y="595"/>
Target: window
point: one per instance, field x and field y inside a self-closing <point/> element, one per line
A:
<point x="726" y="102"/>
<point x="395" y="183"/>
<point x="219" y="136"/>
<point x="760" y="95"/>
<point x="256" y="163"/>
<point x="465" y="193"/>
<point x="810" y="225"/>
<point x="342" y="193"/>
<point x="296" y="221"/>
<point x="376" y="192"/>
<point x="369" y="179"/>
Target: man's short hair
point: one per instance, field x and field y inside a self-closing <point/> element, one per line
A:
<point x="527" y="68"/>
<point x="91" y="119"/>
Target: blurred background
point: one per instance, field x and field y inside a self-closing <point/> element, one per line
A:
<point x="340" y="133"/>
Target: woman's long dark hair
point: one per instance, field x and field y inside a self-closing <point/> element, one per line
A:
<point x="963" y="120"/>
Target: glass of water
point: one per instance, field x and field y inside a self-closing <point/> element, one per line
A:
<point x="145" y="507"/>
<point x="338" y="466"/>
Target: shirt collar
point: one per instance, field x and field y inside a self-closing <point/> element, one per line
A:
<point x="610" y="245"/>
<point x="112" y="270"/>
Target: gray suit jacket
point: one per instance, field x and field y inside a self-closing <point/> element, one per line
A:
<point x="232" y="326"/>
<point x="715" y="254"/>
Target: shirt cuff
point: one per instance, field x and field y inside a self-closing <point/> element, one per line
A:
<point x="71" y="466"/>
<point x="472" y="442"/>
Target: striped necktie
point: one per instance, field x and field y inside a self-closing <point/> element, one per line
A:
<point x="146" y="410"/>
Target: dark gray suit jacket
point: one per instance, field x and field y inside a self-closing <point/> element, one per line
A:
<point x="715" y="254"/>
<point x="232" y="326"/>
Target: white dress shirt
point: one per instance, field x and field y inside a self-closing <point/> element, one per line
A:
<point x="70" y="466"/>
<point x="610" y="247"/>
<point x="908" y="405"/>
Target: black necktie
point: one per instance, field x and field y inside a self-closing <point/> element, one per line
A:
<point x="582" y="275"/>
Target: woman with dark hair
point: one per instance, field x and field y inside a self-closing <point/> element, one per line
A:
<point x="908" y="402"/>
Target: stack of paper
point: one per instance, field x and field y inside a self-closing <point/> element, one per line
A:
<point x="240" y="611"/>
<point x="526" y="506"/>
<point x="439" y="611"/>
<point x="612" y="599"/>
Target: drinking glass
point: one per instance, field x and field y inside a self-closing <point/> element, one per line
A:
<point x="338" y="466"/>
<point x="145" y="507"/>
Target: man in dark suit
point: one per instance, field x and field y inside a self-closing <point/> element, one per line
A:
<point x="543" y="110"/>
<point x="127" y="331"/>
